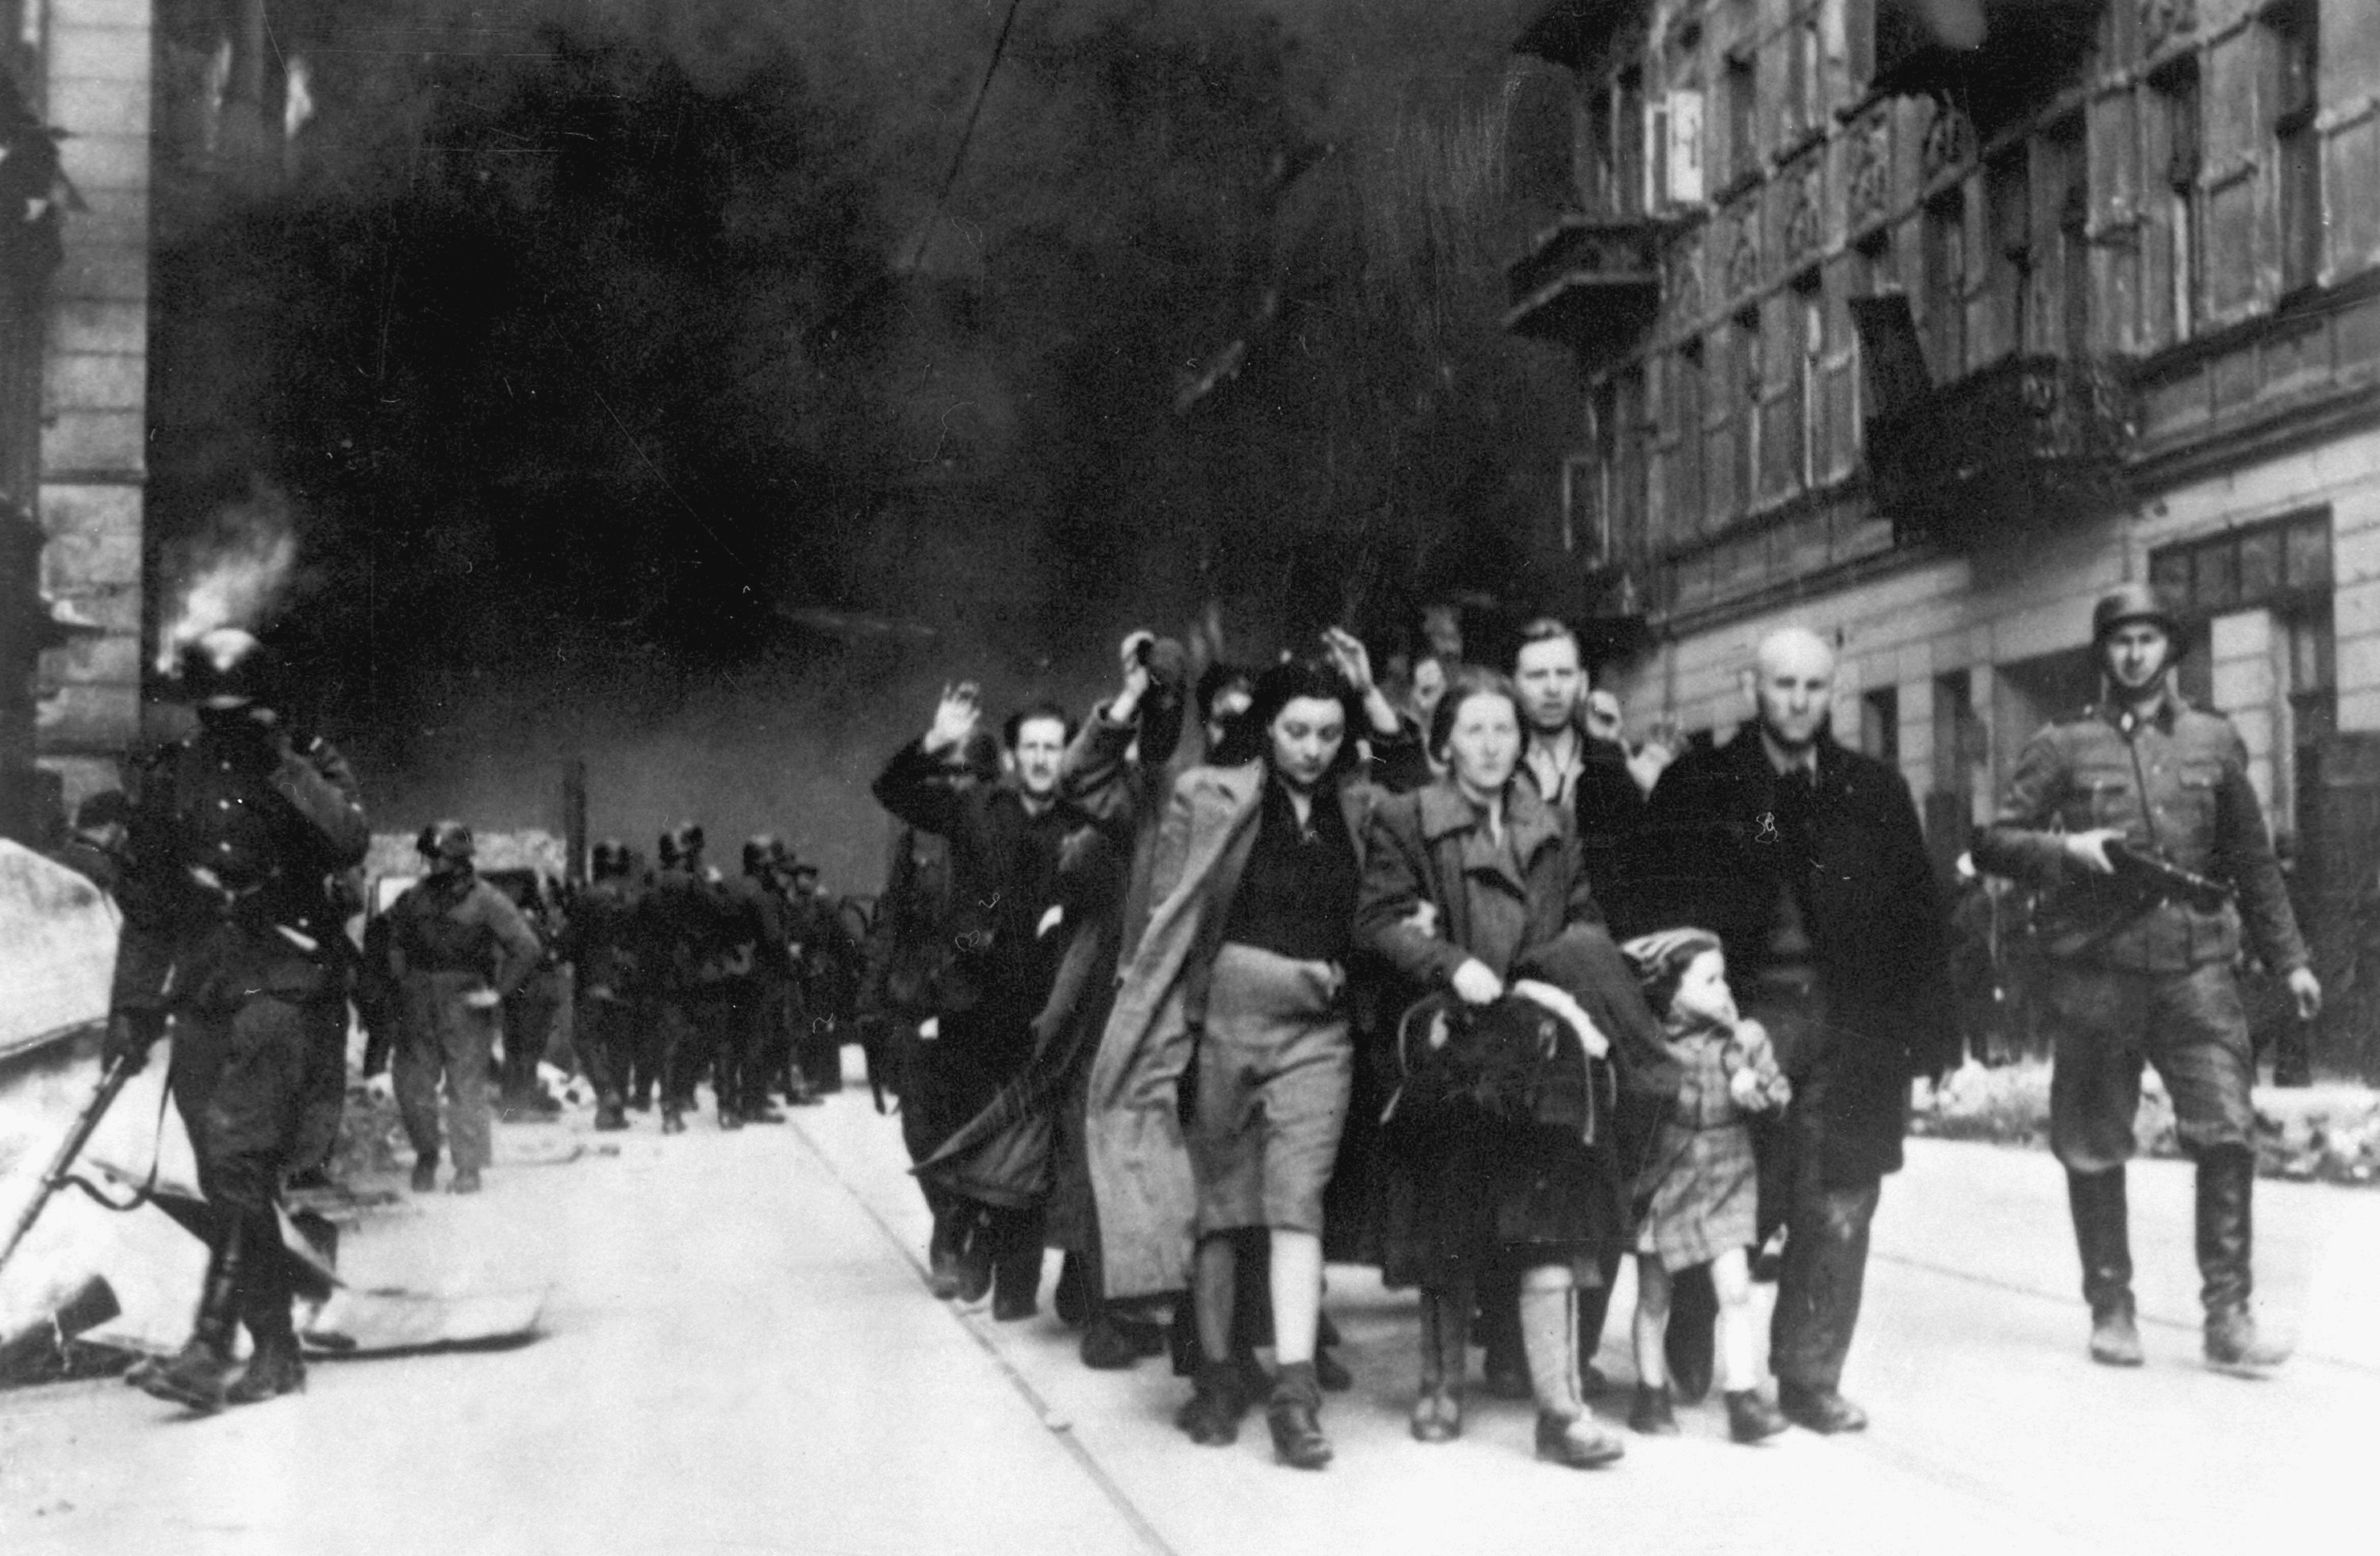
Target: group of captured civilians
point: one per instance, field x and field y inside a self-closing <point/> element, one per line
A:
<point x="1255" y="969"/>
<point x="1362" y="981"/>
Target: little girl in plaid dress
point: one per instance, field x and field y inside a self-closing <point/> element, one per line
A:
<point x="1698" y="1198"/>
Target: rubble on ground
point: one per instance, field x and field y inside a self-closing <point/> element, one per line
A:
<point x="2329" y="1133"/>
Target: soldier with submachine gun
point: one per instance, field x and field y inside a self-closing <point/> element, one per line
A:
<point x="2137" y="818"/>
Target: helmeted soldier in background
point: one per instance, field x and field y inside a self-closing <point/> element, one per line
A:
<point x="825" y="978"/>
<point x="753" y="929"/>
<point x="456" y="947"/>
<point x="229" y="929"/>
<point x="689" y="955"/>
<point x="532" y="1011"/>
<point x="778" y="1054"/>
<point x="2142" y="959"/>
<point x="600" y="941"/>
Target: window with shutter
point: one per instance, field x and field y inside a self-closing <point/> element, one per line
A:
<point x="2113" y="236"/>
<point x="1861" y="273"/>
<point x="2297" y="145"/>
<point x="2238" y="252"/>
<point x="2170" y="151"/>
<point x="1684" y="491"/>
<point x="1943" y="244"/>
<point x="1628" y="138"/>
<point x="1743" y="115"/>
<point x="2007" y="254"/>
<point x="1722" y="483"/>
<point x="2064" y="319"/>
<point x="1775" y="387"/>
<point x="1631" y="472"/>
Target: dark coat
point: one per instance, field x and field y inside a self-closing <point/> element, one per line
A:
<point x="1711" y="854"/>
<point x="1525" y="909"/>
<point x="228" y="889"/>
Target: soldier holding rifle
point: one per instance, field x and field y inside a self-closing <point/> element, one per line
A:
<point x="2137" y="817"/>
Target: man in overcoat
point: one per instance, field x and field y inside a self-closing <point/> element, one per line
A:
<point x="1006" y="843"/>
<point x="1807" y="861"/>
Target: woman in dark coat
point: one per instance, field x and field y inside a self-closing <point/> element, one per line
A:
<point x="1475" y="885"/>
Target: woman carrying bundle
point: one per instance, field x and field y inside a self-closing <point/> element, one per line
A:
<point x="1473" y="889"/>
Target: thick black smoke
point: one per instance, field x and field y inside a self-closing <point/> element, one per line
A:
<point x="637" y="400"/>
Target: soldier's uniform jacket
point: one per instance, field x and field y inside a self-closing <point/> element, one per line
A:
<point x="459" y="923"/>
<point x="687" y="932"/>
<point x="752" y="925"/>
<point x="2174" y="781"/>
<point x="229" y="886"/>
<point x="600" y="938"/>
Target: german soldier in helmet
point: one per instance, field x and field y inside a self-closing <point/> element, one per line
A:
<point x="2137" y="817"/>
<point x="456" y="946"/>
<point x="600" y="942"/>
<point x="230" y="931"/>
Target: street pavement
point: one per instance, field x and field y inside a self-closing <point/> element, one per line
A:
<point x="738" y="1354"/>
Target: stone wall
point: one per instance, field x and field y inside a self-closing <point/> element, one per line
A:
<point x="94" y="415"/>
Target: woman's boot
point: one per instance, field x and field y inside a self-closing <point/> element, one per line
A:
<point x="1567" y="1435"/>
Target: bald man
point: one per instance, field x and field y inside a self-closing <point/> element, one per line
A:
<point x="1807" y="861"/>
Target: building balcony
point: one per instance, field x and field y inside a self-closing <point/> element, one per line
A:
<point x="1592" y="284"/>
<point x="2013" y="449"/>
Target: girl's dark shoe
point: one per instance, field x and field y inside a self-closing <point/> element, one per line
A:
<point x="1331" y="1373"/>
<point x="1651" y="1415"/>
<point x="1212" y="1417"/>
<point x="1437" y="1416"/>
<point x="1751" y="1418"/>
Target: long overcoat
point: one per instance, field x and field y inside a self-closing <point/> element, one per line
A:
<point x="1711" y="853"/>
<point x="1139" y="1164"/>
<point x="1524" y="907"/>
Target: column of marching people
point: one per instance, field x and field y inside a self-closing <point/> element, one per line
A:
<point x="1255" y="970"/>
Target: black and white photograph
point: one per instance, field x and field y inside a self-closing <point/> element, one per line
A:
<point x="1189" y="777"/>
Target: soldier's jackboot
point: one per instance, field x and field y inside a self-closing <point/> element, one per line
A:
<point x="608" y="1115"/>
<point x="195" y="1378"/>
<point x="274" y="1366"/>
<point x="2103" y="1236"/>
<point x="2227" y="1178"/>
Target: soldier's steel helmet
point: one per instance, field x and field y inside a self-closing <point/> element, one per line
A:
<point x="445" y="840"/>
<point x="608" y="858"/>
<point x="761" y="851"/>
<point x="2131" y="602"/>
<point x="228" y="668"/>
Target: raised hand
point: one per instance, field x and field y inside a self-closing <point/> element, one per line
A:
<point x="954" y="718"/>
<point x="1134" y="659"/>
<point x="1354" y="660"/>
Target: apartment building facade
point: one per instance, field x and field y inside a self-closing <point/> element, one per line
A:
<point x="1922" y="321"/>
